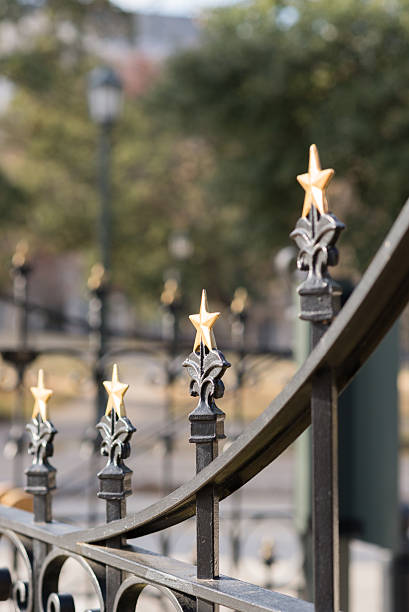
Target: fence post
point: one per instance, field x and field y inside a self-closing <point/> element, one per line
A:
<point x="239" y="317"/>
<point x="206" y="366"/>
<point x="315" y="234"/>
<point x="97" y="286"/>
<point x="19" y="358"/>
<point x="41" y="476"/>
<point x="115" y="478"/>
<point x="172" y="304"/>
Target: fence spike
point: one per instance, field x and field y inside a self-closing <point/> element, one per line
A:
<point x="206" y="366"/>
<point x="315" y="234"/>
<point x="115" y="478"/>
<point x="41" y="476"/>
<point x="116" y="431"/>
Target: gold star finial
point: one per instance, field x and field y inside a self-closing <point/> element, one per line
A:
<point x="20" y="256"/>
<point x="97" y="277"/>
<point x="116" y="391"/>
<point x="315" y="182"/>
<point x="41" y="396"/>
<point x="203" y="322"/>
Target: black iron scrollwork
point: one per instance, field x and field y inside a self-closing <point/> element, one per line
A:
<point x="51" y="599"/>
<point x="60" y="603"/>
<point x="11" y="587"/>
<point x="130" y="590"/>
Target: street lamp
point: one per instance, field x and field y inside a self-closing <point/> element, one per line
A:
<point x="105" y="103"/>
<point x="104" y="95"/>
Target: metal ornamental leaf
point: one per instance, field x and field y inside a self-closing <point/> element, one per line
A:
<point x="41" y="440"/>
<point x="206" y="370"/>
<point x="116" y="434"/>
<point x="316" y="242"/>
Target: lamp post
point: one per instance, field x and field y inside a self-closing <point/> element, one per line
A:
<point x="20" y="358"/>
<point x="105" y="102"/>
<point x="239" y="316"/>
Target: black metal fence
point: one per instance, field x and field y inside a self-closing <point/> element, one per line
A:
<point x="119" y="569"/>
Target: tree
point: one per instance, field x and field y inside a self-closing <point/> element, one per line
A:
<point x="49" y="154"/>
<point x="269" y="79"/>
<point x="214" y="148"/>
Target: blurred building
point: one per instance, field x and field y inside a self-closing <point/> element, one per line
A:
<point x="115" y="33"/>
<point x="160" y="35"/>
<point x="108" y="32"/>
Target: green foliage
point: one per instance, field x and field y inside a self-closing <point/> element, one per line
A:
<point x="214" y="148"/>
<point x="271" y="78"/>
<point x="157" y="176"/>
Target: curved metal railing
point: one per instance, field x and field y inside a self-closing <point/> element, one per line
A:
<point x="119" y="572"/>
<point x="364" y="320"/>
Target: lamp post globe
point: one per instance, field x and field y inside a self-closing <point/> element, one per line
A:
<point x="104" y="95"/>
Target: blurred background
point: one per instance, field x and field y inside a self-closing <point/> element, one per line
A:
<point x="150" y="149"/>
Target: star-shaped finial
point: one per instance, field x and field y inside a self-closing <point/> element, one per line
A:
<point x="203" y="322"/>
<point x="116" y="391"/>
<point x="315" y="182"/>
<point x="41" y="396"/>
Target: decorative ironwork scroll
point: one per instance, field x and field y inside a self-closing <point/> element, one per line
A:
<point x="130" y="590"/>
<point x="11" y="586"/>
<point x="48" y="582"/>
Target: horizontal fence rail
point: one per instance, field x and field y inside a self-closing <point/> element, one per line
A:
<point x="120" y="571"/>
<point x="158" y="570"/>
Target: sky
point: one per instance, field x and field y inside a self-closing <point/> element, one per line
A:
<point x="172" y="7"/>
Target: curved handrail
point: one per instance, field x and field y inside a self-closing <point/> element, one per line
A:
<point x="369" y="313"/>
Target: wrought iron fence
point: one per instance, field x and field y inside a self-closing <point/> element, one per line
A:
<point x="119" y="570"/>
